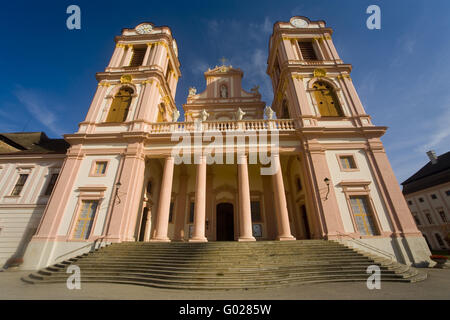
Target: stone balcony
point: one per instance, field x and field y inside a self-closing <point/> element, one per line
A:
<point x="222" y="126"/>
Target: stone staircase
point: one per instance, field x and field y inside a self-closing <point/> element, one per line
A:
<point x="225" y="265"/>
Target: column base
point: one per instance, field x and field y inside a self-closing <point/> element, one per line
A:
<point x="198" y="240"/>
<point x="246" y="239"/>
<point x="160" y="240"/>
<point x="283" y="238"/>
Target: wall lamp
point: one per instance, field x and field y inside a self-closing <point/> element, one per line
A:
<point x="118" y="185"/>
<point x="327" y="182"/>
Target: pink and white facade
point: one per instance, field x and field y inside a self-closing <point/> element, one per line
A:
<point x="123" y="180"/>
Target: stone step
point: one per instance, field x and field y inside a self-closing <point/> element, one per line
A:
<point x="223" y="284"/>
<point x="223" y="271"/>
<point x="225" y="265"/>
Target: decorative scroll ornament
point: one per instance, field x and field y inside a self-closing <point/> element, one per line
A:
<point x="126" y="78"/>
<point x="320" y="73"/>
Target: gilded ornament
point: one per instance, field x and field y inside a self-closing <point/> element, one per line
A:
<point x="320" y="73"/>
<point x="126" y="78"/>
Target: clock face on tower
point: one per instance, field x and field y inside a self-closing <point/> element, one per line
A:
<point x="299" y="23"/>
<point x="144" y="28"/>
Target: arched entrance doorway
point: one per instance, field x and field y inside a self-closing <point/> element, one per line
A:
<point x="225" y="222"/>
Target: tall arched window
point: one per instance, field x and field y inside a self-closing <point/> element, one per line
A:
<point x="327" y="100"/>
<point x="120" y="106"/>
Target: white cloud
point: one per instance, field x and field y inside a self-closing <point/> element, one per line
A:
<point x="38" y="107"/>
<point x="440" y="133"/>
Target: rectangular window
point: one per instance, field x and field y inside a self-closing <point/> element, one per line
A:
<point x="410" y="202"/>
<point x="51" y="184"/>
<point x="447" y="192"/>
<point x="19" y="184"/>
<point x="100" y="167"/>
<point x="442" y="214"/>
<point x="439" y="240"/>
<point x="85" y="219"/>
<point x="299" y="184"/>
<point x="416" y="219"/>
<point x="363" y="215"/>
<point x="171" y="213"/>
<point x="256" y="211"/>
<point x="430" y="220"/>
<point x="347" y="162"/>
<point x="433" y="196"/>
<point x="420" y="199"/>
<point x="307" y="50"/>
<point x="191" y="212"/>
<point x="138" y="57"/>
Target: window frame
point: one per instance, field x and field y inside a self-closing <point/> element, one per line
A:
<point x="336" y="89"/>
<point x="313" y="46"/>
<point x="20" y="174"/>
<point x="113" y="96"/>
<point x="361" y="188"/>
<point x="339" y="156"/>
<point x="47" y="185"/>
<point x="137" y="48"/>
<point x="93" y="173"/>
<point x="87" y="193"/>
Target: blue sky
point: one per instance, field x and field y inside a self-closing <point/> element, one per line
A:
<point x="400" y="71"/>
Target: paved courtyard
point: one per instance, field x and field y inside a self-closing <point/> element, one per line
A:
<point x="437" y="286"/>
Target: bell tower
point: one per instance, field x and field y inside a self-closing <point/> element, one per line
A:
<point x="310" y="81"/>
<point x="139" y="84"/>
<point x="312" y="86"/>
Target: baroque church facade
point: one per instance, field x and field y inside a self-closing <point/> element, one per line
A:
<point x="122" y="179"/>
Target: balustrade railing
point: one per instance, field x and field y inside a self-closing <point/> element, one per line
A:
<point x="241" y="125"/>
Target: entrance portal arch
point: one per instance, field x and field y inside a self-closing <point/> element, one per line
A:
<point x="225" y="221"/>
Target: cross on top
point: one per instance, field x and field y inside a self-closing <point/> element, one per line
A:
<point x="223" y="60"/>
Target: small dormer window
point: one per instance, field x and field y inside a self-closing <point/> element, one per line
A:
<point x="223" y="91"/>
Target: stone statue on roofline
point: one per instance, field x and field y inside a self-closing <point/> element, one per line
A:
<point x="192" y="91"/>
<point x="175" y="115"/>
<point x="269" y="113"/>
<point x="240" y="114"/>
<point x="204" y="115"/>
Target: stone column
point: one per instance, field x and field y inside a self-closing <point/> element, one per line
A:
<point x="245" y="214"/>
<point x="128" y="55"/>
<point x="117" y="56"/>
<point x="200" y="203"/>
<point x="281" y="212"/>
<point x="148" y="222"/>
<point x="162" y="214"/>
<point x="147" y="55"/>
<point x="180" y="217"/>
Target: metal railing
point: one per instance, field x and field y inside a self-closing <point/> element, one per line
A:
<point x="391" y="256"/>
<point x="93" y="245"/>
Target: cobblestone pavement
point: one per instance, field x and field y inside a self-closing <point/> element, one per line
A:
<point x="437" y="286"/>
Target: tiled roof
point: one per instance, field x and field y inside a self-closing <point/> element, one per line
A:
<point x="429" y="175"/>
<point x="30" y="142"/>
